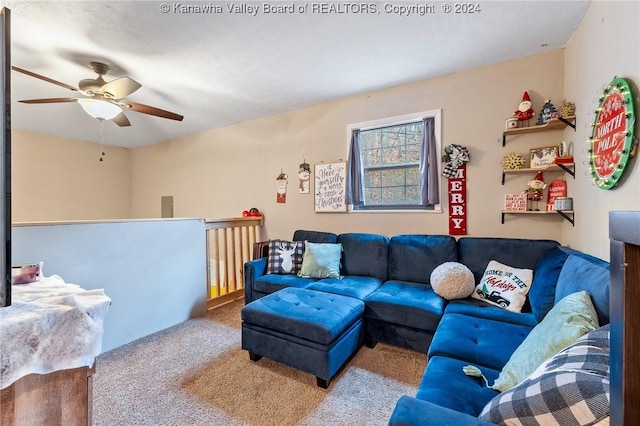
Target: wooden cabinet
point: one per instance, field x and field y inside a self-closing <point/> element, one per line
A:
<point x="60" y="398"/>
<point x="624" y="235"/>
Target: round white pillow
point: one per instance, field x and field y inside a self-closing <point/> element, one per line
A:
<point x="452" y="280"/>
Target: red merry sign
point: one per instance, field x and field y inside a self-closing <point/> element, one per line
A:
<point x="458" y="202"/>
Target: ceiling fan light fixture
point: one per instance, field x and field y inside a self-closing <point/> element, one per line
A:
<point x="102" y="110"/>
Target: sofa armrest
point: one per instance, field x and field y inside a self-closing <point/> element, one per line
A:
<point x="253" y="269"/>
<point x="413" y="412"/>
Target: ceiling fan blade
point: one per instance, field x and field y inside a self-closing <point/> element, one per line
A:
<point x="48" y="101"/>
<point x="146" y="109"/>
<point x="121" y="120"/>
<point x="41" y="77"/>
<point x="119" y="88"/>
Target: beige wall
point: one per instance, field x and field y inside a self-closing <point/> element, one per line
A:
<point x="221" y="172"/>
<point x="60" y="179"/>
<point x="606" y="44"/>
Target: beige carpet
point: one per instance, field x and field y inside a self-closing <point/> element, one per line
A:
<point x="196" y="374"/>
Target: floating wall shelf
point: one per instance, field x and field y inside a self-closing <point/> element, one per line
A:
<point x="562" y="167"/>
<point x="553" y="124"/>
<point x="566" y="214"/>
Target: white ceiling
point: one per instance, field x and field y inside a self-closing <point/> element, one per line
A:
<point x="217" y="69"/>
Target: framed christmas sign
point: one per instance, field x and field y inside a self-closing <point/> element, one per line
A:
<point x="612" y="139"/>
<point x="541" y="158"/>
<point x="331" y="187"/>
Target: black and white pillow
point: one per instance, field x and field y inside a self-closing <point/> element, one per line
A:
<point x="570" y="388"/>
<point x="285" y="257"/>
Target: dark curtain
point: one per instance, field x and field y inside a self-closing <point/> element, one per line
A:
<point x="355" y="195"/>
<point x="429" y="190"/>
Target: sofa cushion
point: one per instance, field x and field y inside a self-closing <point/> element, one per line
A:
<point x="504" y="286"/>
<point x="478" y="341"/>
<point x="444" y="384"/>
<point x="315" y="236"/>
<point x="477" y="308"/>
<point x="366" y="255"/>
<point x="284" y="257"/>
<point x="477" y="252"/>
<point x="452" y="280"/>
<point x="571" y="387"/>
<point x="352" y="286"/>
<point x="571" y="318"/>
<point x="583" y="272"/>
<point x="545" y="277"/>
<point x="408" y="304"/>
<point x="413" y="257"/>
<point x="273" y="282"/>
<point x="321" y="260"/>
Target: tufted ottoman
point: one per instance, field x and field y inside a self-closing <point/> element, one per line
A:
<point x="313" y="331"/>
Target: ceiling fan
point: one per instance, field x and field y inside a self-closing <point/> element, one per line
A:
<point x="103" y="100"/>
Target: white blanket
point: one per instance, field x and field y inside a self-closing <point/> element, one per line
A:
<point x="51" y="325"/>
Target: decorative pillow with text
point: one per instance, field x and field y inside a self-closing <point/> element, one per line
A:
<point x="504" y="286"/>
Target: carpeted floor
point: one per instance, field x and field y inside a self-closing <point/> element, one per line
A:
<point x="196" y="374"/>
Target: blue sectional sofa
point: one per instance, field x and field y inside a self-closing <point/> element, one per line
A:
<point x="392" y="277"/>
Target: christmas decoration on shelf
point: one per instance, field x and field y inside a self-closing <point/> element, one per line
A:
<point x="612" y="141"/>
<point x="557" y="189"/>
<point x="511" y="123"/>
<point x="543" y="157"/>
<point x="524" y="111"/>
<point x="252" y="212"/>
<point x="567" y="110"/>
<point x="512" y="161"/>
<point x="515" y="202"/>
<point x="547" y="112"/>
<point x="535" y="188"/>
<point x="455" y="158"/>
<point x="566" y="153"/>
<point x="281" y="187"/>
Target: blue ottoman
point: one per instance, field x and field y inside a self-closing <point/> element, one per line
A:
<point x="309" y="330"/>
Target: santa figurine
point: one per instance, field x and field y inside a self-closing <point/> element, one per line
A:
<point x="534" y="191"/>
<point x="524" y="111"/>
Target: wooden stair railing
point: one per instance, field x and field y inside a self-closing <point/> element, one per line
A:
<point x="229" y="245"/>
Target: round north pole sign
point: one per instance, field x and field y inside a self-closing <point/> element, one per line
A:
<point x="612" y="137"/>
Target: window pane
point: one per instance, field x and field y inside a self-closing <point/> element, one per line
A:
<point x="372" y="196"/>
<point x="413" y="194"/>
<point x="393" y="156"/>
<point x="393" y="177"/>
<point x="372" y="179"/>
<point x="371" y="158"/>
<point x="413" y="176"/>
<point x="393" y="195"/>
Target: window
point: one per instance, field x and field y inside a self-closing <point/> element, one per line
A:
<point x="393" y="163"/>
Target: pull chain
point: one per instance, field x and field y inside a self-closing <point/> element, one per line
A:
<point x="102" y="153"/>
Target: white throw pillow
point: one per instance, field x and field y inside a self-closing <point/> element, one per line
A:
<point x="452" y="280"/>
<point x="504" y="286"/>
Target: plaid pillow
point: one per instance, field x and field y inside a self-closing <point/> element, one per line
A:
<point x="570" y="388"/>
<point x="285" y="257"/>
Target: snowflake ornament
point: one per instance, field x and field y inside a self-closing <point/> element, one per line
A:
<point x="512" y="161"/>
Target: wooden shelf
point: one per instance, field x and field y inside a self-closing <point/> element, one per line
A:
<point x="553" y="124"/>
<point x="566" y="214"/>
<point x="562" y="167"/>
